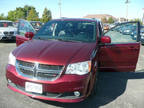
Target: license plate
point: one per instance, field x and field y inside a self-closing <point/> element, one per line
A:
<point x="33" y="87"/>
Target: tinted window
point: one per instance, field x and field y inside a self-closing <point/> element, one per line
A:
<point x="83" y="31"/>
<point x="24" y="26"/>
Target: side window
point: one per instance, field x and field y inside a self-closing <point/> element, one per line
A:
<point x="24" y="26"/>
<point x="124" y="33"/>
<point x="100" y="30"/>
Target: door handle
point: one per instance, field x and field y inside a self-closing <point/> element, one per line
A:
<point x="133" y="48"/>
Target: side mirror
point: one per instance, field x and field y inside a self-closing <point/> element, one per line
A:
<point x="105" y="39"/>
<point x="29" y="35"/>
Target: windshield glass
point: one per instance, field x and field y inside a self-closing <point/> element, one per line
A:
<point x="6" y="24"/>
<point x="82" y="31"/>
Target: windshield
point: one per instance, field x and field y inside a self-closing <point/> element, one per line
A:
<point x="82" y="31"/>
<point x="6" y="24"/>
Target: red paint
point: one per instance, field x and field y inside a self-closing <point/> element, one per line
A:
<point x="54" y="52"/>
<point x="29" y="35"/>
<point x="67" y="83"/>
<point x="105" y="39"/>
<point x="20" y="40"/>
<point x="119" y="57"/>
<point x="105" y="57"/>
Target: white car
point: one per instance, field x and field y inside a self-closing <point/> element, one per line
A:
<point x="7" y="30"/>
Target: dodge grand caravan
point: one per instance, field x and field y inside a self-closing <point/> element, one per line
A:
<point x="61" y="61"/>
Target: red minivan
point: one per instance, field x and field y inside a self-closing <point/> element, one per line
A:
<point x="61" y="61"/>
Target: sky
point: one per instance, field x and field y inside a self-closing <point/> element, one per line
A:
<point x="79" y="8"/>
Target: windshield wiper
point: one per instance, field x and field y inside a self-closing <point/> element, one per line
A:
<point x="68" y="40"/>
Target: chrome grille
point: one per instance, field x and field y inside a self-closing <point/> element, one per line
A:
<point x="38" y="71"/>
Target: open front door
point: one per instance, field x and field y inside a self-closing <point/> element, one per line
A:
<point x="122" y="53"/>
<point x="23" y="27"/>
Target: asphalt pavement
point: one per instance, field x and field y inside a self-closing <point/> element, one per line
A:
<point x="115" y="90"/>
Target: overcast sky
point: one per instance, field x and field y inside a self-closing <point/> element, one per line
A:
<point x="78" y="8"/>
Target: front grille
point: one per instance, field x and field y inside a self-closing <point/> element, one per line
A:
<point x="38" y="71"/>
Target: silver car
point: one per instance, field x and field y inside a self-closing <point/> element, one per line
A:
<point x="7" y="30"/>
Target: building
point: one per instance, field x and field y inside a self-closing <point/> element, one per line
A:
<point x="120" y="20"/>
<point x="100" y="16"/>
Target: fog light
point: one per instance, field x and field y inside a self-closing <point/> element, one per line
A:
<point x="76" y="93"/>
<point x="9" y="81"/>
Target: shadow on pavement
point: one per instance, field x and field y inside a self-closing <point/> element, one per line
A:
<point x="110" y="86"/>
<point x="7" y="41"/>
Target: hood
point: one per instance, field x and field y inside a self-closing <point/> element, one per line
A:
<point x="54" y="52"/>
<point x="8" y="29"/>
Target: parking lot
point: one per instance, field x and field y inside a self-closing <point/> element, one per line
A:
<point x="115" y="90"/>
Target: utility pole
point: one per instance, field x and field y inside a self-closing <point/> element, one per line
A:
<point x="127" y="2"/>
<point x="143" y="17"/>
<point x="60" y="8"/>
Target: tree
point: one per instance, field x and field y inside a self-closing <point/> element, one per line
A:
<point x="11" y="15"/>
<point x="33" y="15"/>
<point x="27" y="10"/>
<point x="110" y="20"/>
<point x="104" y="20"/>
<point x="137" y="19"/>
<point x="2" y="17"/>
<point x="16" y="14"/>
<point x="20" y="14"/>
<point x="46" y="16"/>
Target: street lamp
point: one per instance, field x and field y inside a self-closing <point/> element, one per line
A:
<point x="143" y="17"/>
<point x="59" y="7"/>
<point x="127" y="2"/>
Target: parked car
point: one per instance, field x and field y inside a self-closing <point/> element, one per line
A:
<point x="61" y="62"/>
<point x="7" y="31"/>
<point x="128" y="29"/>
<point x="142" y="34"/>
<point x="113" y="25"/>
<point x="134" y="34"/>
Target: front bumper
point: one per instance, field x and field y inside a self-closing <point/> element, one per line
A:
<point x="61" y="90"/>
<point x="10" y="37"/>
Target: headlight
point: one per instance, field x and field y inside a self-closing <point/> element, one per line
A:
<point x="80" y="68"/>
<point x="12" y="59"/>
